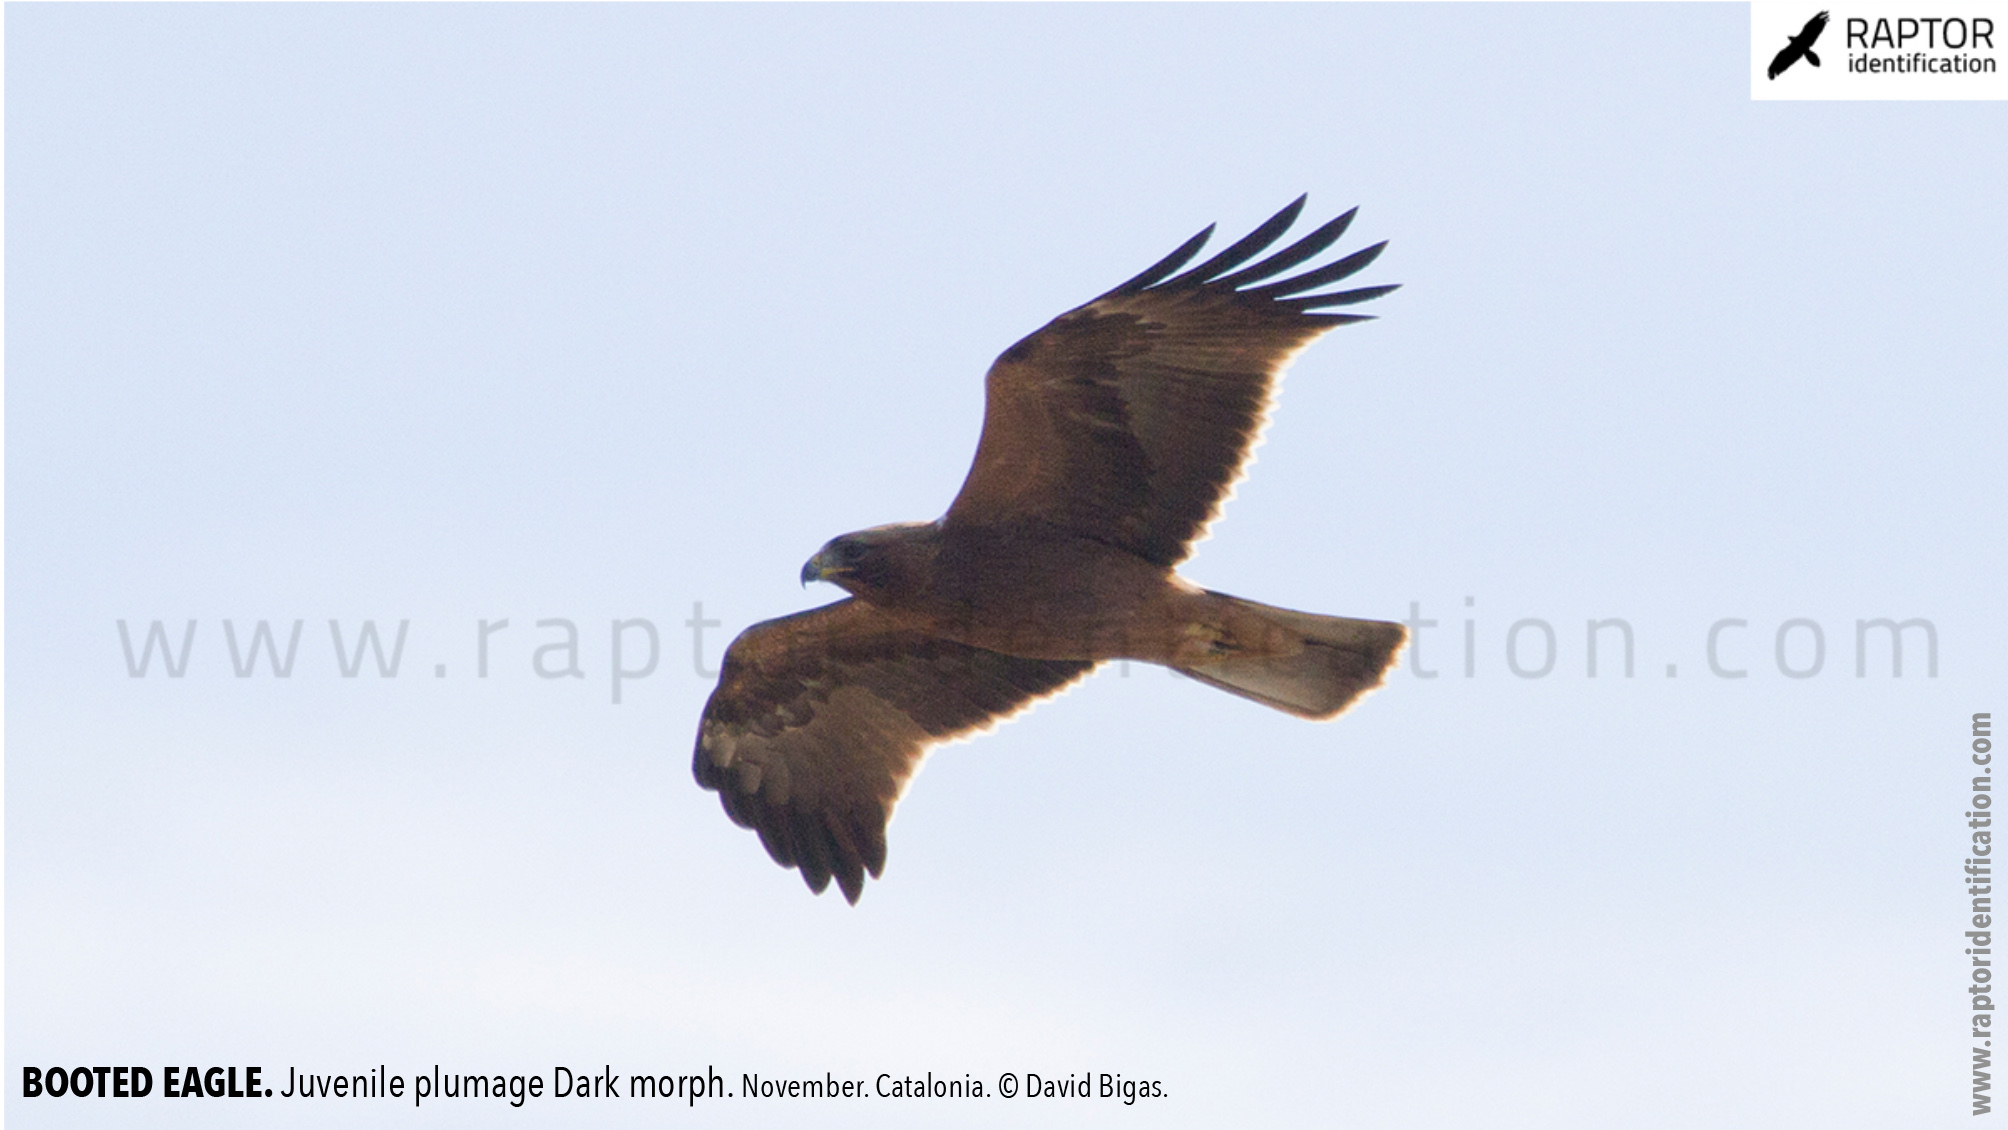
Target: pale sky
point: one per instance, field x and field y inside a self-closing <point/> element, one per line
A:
<point x="454" y="314"/>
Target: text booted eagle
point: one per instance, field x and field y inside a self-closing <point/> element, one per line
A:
<point x="1110" y="439"/>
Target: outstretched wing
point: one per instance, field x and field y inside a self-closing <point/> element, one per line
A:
<point x="820" y="719"/>
<point x="1128" y="420"/>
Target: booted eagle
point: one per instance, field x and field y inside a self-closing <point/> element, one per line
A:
<point x="1110" y="439"/>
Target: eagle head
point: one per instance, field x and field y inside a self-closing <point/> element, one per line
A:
<point x="873" y="563"/>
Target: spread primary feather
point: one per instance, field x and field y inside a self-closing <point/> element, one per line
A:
<point x="1110" y="439"/>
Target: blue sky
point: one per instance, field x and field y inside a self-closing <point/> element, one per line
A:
<point x="453" y="314"/>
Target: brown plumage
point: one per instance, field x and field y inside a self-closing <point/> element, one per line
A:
<point x="1111" y="437"/>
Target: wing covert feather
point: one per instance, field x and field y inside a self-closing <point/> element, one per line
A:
<point x="1129" y="419"/>
<point x="820" y="720"/>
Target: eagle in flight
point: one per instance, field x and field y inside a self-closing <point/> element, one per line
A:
<point x="1799" y="46"/>
<point x="1111" y="437"/>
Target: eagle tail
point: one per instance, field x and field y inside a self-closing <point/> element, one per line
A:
<point x="1812" y="58"/>
<point x="1339" y="661"/>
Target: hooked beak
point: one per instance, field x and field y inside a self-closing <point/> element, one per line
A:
<point x="818" y="569"/>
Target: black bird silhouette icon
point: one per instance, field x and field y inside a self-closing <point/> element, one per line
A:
<point x="1800" y="46"/>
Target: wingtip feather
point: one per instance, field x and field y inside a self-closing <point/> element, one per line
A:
<point x="1164" y="267"/>
<point x="1243" y="249"/>
<point x="1301" y="251"/>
